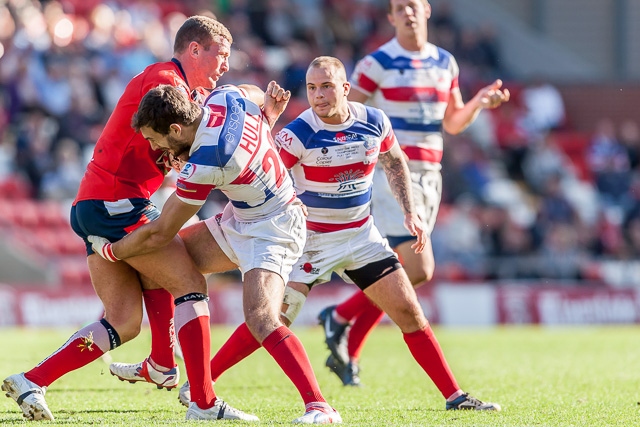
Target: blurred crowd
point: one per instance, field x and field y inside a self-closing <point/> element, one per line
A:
<point x="516" y="204"/>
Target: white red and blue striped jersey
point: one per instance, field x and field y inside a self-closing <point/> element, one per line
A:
<point x="332" y="165"/>
<point x="234" y="152"/>
<point x="413" y="88"/>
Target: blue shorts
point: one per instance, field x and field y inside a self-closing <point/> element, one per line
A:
<point x="111" y="220"/>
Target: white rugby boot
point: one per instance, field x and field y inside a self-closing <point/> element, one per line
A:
<point x="184" y="396"/>
<point x="219" y="411"/>
<point x="319" y="413"/>
<point x="144" y="371"/>
<point x="29" y="396"/>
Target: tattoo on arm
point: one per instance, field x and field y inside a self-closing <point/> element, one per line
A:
<point x="397" y="171"/>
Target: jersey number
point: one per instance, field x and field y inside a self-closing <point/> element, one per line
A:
<point x="271" y="160"/>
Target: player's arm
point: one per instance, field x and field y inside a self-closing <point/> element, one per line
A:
<point x="458" y="115"/>
<point x="151" y="236"/>
<point x="397" y="171"/>
<point x="254" y="93"/>
<point x="275" y="102"/>
<point x="356" y="95"/>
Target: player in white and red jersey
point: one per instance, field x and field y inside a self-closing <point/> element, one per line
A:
<point x="113" y="200"/>
<point x="332" y="150"/>
<point x="416" y="84"/>
<point x="228" y="146"/>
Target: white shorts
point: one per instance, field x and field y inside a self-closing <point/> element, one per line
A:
<point x="338" y="251"/>
<point x="274" y="244"/>
<point x="427" y="192"/>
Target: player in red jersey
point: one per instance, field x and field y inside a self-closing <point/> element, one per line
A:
<point x="416" y="84"/>
<point x="112" y="201"/>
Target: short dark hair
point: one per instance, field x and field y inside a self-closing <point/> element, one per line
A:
<point x="329" y="61"/>
<point x="200" y="29"/>
<point x="162" y="106"/>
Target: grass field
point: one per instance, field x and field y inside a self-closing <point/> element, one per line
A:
<point x="541" y="377"/>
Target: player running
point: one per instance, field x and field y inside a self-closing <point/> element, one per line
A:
<point x="261" y="231"/>
<point x="416" y="84"/>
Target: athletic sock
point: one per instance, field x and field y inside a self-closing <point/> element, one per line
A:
<point x="288" y="352"/>
<point x="427" y="351"/>
<point x="239" y="345"/>
<point x="353" y="306"/>
<point x="362" y="327"/>
<point x="85" y="346"/>
<point x="194" y="334"/>
<point x="160" y="310"/>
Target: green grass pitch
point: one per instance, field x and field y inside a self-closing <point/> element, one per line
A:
<point x="587" y="376"/>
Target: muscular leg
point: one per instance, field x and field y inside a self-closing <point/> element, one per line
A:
<point x="204" y="250"/>
<point x="173" y="269"/>
<point x="365" y="316"/>
<point x="262" y="300"/>
<point x="395" y="295"/>
<point x="242" y="343"/>
<point x="419" y="267"/>
<point x="118" y="287"/>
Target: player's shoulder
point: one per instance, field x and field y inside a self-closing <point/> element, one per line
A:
<point x="367" y="113"/>
<point x="302" y="127"/>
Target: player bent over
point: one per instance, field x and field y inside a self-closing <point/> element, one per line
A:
<point x="113" y="200"/>
<point x="261" y="231"/>
<point x="332" y="150"/>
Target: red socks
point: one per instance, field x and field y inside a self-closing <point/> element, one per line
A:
<point x="288" y="352"/>
<point x="353" y="306"/>
<point x="85" y="346"/>
<point x="160" y="310"/>
<point x="239" y="345"/>
<point x="194" y="335"/>
<point x="366" y="321"/>
<point x="427" y="351"/>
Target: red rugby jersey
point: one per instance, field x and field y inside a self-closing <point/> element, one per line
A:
<point x="123" y="165"/>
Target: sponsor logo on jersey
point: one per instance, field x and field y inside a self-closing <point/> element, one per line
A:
<point x="348" y="180"/>
<point x="323" y="160"/>
<point x="343" y="137"/>
<point x="187" y="171"/>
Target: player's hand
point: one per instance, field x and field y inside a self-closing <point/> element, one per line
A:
<point x="275" y="102"/>
<point x="414" y="224"/>
<point x="492" y="96"/>
<point x="169" y="162"/>
<point x="102" y="247"/>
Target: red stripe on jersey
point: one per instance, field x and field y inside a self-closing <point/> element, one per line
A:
<point x="288" y="159"/>
<point x="423" y="154"/>
<point x="423" y="94"/>
<point x="388" y="142"/>
<point x="323" y="227"/>
<point x="454" y="83"/>
<point x="193" y="191"/>
<point x="332" y="173"/>
<point x="367" y="84"/>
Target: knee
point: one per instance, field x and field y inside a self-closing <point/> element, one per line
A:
<point x="262" y="326"/>
<point x="420" y="276"/>
<point x="126" y="330"/>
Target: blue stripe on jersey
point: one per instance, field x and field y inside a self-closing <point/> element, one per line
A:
<point x="403" y="63"/>
<point x="301" y="129"/>
<point x="398" y="123"/>
<point x="334" y="201"/>
<point x="375" y="118"/>
<point x="230" y="135"/>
